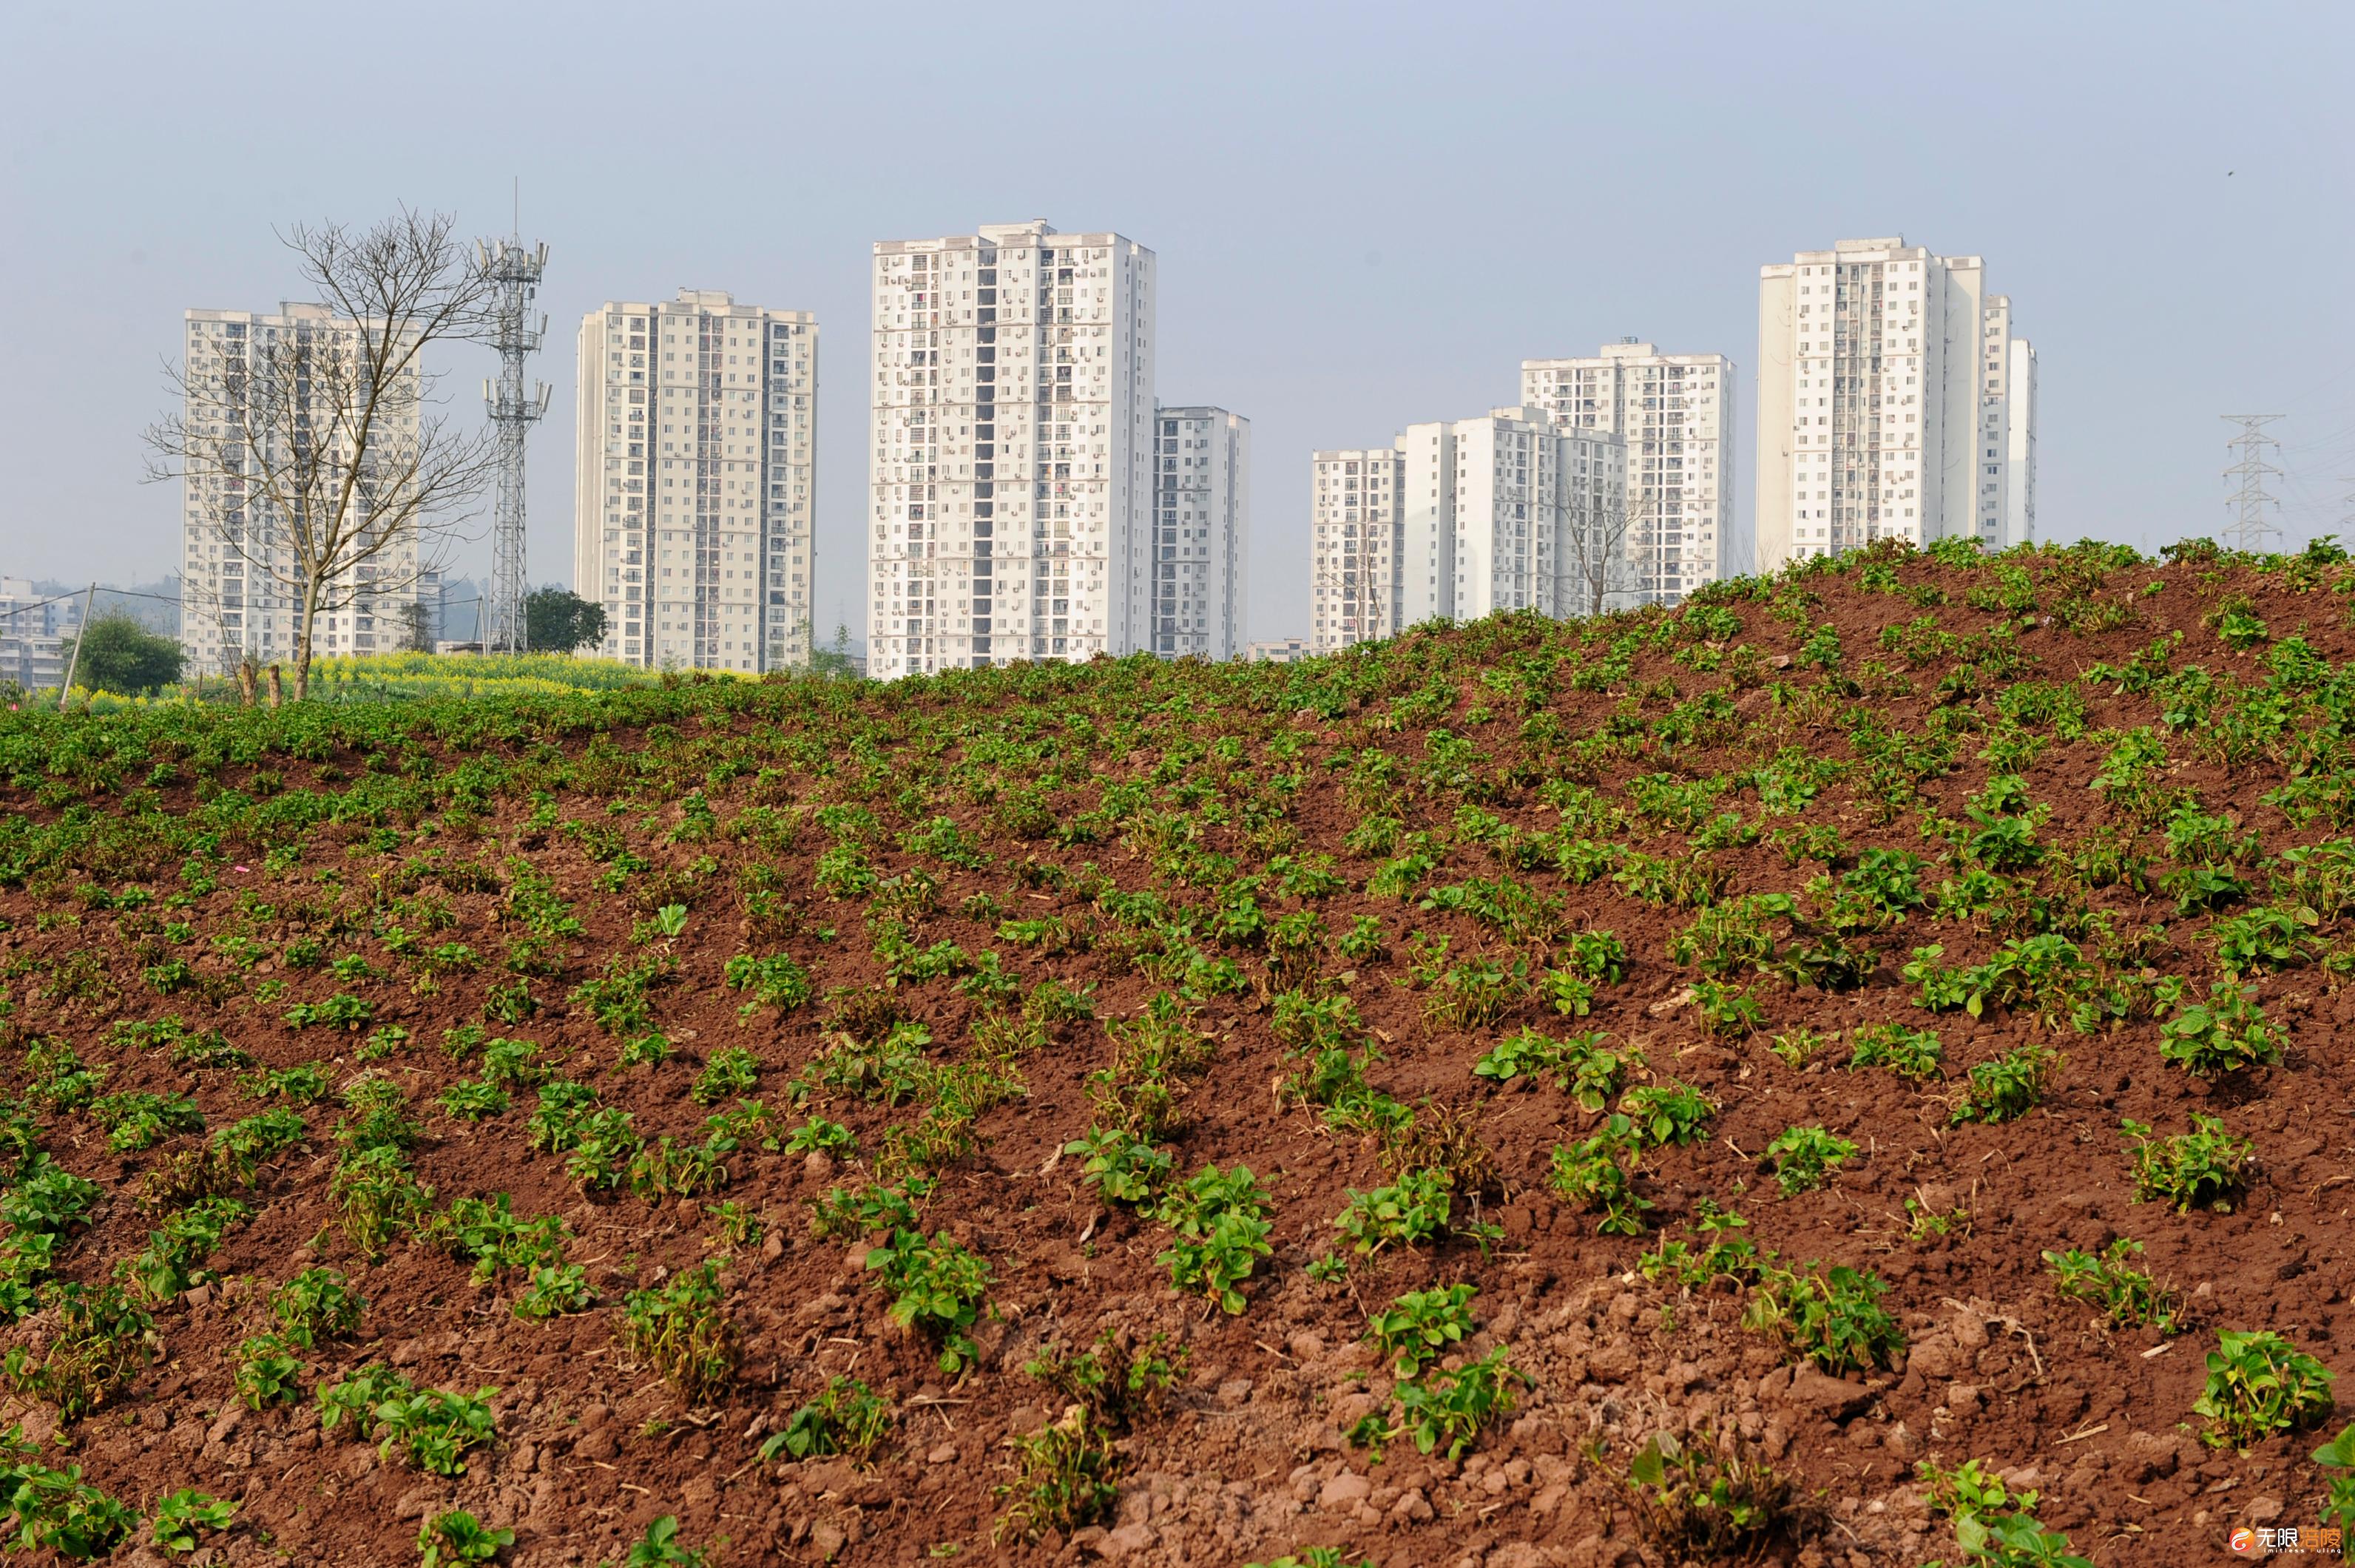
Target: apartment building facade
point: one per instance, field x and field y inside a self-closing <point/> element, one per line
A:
<point x="1197" y="565"/>
<point x="34" y="627"/>
<point x="1011" y="480"/>
<point x="1885" y="379"/>
<point x="1675" y="413"/>
<point x="1463" y="518"/>
<point x="1355" y="545"/>
<point x="243" y="372"/>
<point x="695" y="490"/>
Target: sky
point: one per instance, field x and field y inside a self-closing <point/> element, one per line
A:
<point x="1364" y="215"/>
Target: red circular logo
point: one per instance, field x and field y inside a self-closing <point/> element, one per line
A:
<point x="2245" y="1541"/>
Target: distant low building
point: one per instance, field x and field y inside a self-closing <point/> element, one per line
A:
<point x="1282" y="650"/>
<point x="33" y="634"/>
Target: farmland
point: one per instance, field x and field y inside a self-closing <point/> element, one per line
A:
<point x="1854" y="1070"/>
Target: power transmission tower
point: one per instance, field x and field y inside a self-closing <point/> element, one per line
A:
<point x="2250" y="531"/>
<point x="517" y="272"/>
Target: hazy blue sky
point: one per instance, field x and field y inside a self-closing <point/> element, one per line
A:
<point x="1365" y="217"/>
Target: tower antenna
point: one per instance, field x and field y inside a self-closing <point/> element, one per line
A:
<point x="2250" y="531"/>
<point x="515" y="271"/>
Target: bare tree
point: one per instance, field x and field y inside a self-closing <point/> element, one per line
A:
<point x="311" y="453"/>
<point x="1596" y="566"/>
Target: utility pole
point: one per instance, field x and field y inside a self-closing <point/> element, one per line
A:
<point x="516" y="272"/>
<point x="89" y="601"/>
<point x="2250" y="531"/>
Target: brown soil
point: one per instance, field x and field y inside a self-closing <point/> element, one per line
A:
<point x="1248" y="1460"/>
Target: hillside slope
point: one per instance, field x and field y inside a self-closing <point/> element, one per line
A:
<point x="1742" y="1002"/>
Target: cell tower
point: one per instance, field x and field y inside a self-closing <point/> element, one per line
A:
<point x="2251" y="530"/>
<point x="516" y="274"/>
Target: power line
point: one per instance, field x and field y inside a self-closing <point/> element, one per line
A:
<point x="2250" y="531"/>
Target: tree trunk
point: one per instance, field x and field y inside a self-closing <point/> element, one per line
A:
<point x="277" y="692"/>
<point x="245" y="681"/>
<point x="302" y="639"/>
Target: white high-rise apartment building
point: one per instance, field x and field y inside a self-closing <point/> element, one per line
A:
<point x="1675" y="412"/>
<point x="1012" y="477"/>
<point x="2004" y="456"/>
<point x="697" y="482"/>
<point x="237" y="574"/>
<point x="1463" y="518"/>
<point x="1201" y="531"/>
<point x="1886" y="377"/>
<point x="1354" y="547"/>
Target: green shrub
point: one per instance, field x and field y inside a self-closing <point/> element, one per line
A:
<point x="1832" y="1317"/>
<point x="1579" y="1066"/>
<point x="1066" y="1476"/>
<point x="2129" y="1297"/>
<point x="267" y="1370"/>
<point x="2221" y="1035"/>
<point x="2339" y="1506"/>
<point x="180" y="1516"/>
<point x="1908" y="1052"/>
<point x="660" y="1547"/>
<point x="847" y="1417"/>
<point x="1421" y="1325"/>
<point x="2258" y="1384"/>
<point x="1115" y="1381"/>
<point x="2202" y="1169"/>
<point x="553" y="1290"/>
<point x="1803" y="1157"/>
<point x="1411" y="1211"/>
<point x="681" y="1329"/>
<point x="2005" y="1087"/>
<point x="458" y="1537"/>
<point x="1124" y="1168"/>
<point x="936" y="1287"/>
<point x="1222" y="1221"/>
<point x="98" y="1342"/>
<point x="380" y="1197"/>
<point x="1667" y="1112"/>
<point x="316" y="1303"/>
<point x="730" y="1073"/>
<point x="1598" y="1173"/>
<point x="1444" y="1412"/>
<point x="55" y="1510"/>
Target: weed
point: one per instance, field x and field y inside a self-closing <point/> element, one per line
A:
<point x="1803" y="1157"/>
<point x="847" y="1417"/>
<point x="680" y="1329"/>
<point x="458" y="1537"/>
<point x="1421" y="1325"/>
<point x="1832" y="1317"/>
<point x="1580" y="1065"/>
<point x="2004" y="1087"/>
<point x="1444" y="1412"/>
<point x="380" y="1197"/>
<point x="180" y="1516"/>
<point x="1066" y="1476"/>
<point x="1598" y="1172"/>
<point x="1407" y="1213"/>
<point x="1913" y="1053"/>
<point x="2129" y="1297"/>
<point x="936" y="1285"/>
<point x="660" y="1548"/>
<point x="1115" y="1381"/>
<point x="1704" y="1495"/>
<point x="267" y="1370"/>
<point x="99" y="1341"/>
<point x="731" y="1072"/>
<point x="2221" y="1035"/>
<point x="433" y="1427"/>
<point x="1124" y="1168"/>
<point x="1221" y="1222"/>
<point x="2204" y="1167"/>
<point x="2258" y="1384"/>
<point x="1667" y="1112"/>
